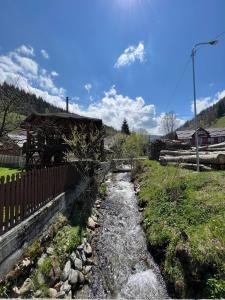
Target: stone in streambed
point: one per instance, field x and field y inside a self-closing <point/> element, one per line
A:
<point x="73" y="277"/>
<point x="87" y="269"/>
<point x="81" y="278"/>
<point x="52" y="293"/>
<point x="78" y="264"/>
<point x="66" y="270"/>
<point x="66" y="287"/>
<point x="26" y="288"/>
<point x="91" y="223"/>
<point x="61" y="295"/>
<point x="88" y="249"/>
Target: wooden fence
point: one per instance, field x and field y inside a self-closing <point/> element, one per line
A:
<point x="24" y="193"/>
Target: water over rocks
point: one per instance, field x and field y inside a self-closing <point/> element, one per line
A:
<point x="124" y="268"/>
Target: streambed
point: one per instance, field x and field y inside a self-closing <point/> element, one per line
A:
<point x="124" y="267"/>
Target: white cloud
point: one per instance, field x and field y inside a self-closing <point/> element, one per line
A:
<point x="24" y="72"/>
<point x="203" y="103"/>
<point x="54" y="73"/>
<point x="112" y="108"/>
<point x="88" y="87"/>
<point x="130" y="55"/>
<point x="44" y="53"/>
<point x="25" y="50"/>
<point x="91" y="98"/>
<point x="27" y="64"/>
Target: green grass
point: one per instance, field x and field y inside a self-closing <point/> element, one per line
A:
<point x="184" y="221"/>
<point x="8" y="171"/>
<point x="219" y="123"/>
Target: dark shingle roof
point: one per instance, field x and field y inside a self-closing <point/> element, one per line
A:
<point x="60" y="115"/>
<point x="184" y="134"/>
<point x="216" y="132"/>
<point x="187" y="134"/>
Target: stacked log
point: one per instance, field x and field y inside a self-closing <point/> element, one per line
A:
<point x="210" y="157"/>
<point x="157" y="146"/>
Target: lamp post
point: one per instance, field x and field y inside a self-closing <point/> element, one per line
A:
<point x="214" y="42"/>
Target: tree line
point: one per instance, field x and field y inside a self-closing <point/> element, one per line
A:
<point x="15" y="104"/>
<point x="208" y="116"/>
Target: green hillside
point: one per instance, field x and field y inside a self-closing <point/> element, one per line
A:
<point x="213" y="116"/>
<point x="219" y="123"/>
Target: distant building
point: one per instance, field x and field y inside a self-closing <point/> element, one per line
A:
<point x="205" y="136"/>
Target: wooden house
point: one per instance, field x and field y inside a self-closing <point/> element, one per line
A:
<point x="205" y="136"/>
<point x="46" y="132"/>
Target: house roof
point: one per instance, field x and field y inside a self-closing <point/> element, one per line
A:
<point x="216" y="132"/>
<point x="61" y="115"/>
<point x="187" y="134"/>
<point x="184" y="134"/>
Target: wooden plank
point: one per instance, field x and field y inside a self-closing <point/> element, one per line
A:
<point x="17" y="197"/>
<point x="2" y="200"/>
<point x="22" y="184"/>
<point x="7" y="202"/>
<point x="12" y="200"/>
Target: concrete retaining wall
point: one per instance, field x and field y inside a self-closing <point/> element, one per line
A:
<point x="13" y="242"/>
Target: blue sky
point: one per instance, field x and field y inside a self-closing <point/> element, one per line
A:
<point x="115" y="58"/>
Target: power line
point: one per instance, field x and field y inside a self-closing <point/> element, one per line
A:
<point x="219" y="35"/>
<point x="178" y="82"/>
<point x="182" y="74"/>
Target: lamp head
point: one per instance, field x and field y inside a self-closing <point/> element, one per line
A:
<point x="214" y="42"/>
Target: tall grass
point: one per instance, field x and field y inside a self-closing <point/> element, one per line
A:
<point x="184" y="221"/>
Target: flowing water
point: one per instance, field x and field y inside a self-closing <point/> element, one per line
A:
<point x="125" y="269"/>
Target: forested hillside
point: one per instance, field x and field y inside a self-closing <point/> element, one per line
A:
<point x="16" y="104"/>
<point x="213" y="116"/>
<point x="23" y="103"/>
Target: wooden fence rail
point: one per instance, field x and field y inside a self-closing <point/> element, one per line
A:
<point x="24" y="193"/>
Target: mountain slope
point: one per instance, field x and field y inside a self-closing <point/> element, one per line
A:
<point x="213" y="116"/>
<point x="27" y="104"/>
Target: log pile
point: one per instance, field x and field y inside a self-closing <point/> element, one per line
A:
<point x="158" y="145"/>
<point x="210" y="157"/>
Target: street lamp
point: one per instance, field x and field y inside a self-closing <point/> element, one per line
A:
<point x="212" y="43"/>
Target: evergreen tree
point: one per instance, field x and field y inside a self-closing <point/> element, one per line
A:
<point x="125" y="128"/>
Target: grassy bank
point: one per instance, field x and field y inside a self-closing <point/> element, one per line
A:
<point x="184" y="221"/>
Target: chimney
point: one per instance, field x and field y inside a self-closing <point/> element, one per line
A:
<point x="67" y="104"/>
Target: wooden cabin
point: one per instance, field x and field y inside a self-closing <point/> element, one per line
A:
<point x="205" y="136"/>
<point x="46" y="132"/>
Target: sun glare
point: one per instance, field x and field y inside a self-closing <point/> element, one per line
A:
<point x="130" y="4"/>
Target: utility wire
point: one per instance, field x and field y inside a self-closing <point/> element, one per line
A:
<point x="182" y="75"/>
<point x="178" y="82"/>
<point x="219" y="35"/>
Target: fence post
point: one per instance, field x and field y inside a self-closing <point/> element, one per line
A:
<point x="2" y="200"/>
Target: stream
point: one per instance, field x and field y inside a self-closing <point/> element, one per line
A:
<point x="124" y="268"/>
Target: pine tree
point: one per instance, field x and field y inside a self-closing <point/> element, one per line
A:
<point x="125" y="128"/>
